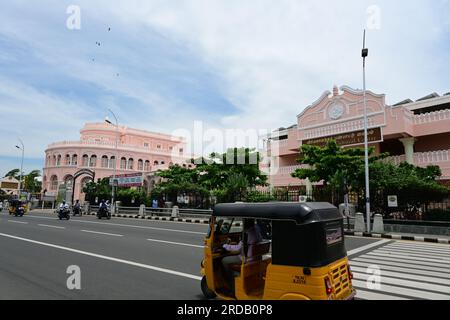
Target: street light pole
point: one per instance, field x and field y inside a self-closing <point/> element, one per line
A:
<point x="365" y="53"/>
<point x="117" y="157"/>
<point x="21" y="166"/>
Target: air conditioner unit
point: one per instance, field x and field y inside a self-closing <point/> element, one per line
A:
<point x="303" y="199"/>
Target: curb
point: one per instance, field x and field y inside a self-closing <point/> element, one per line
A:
<point x="396" y="237"/>
<point x="156" y="218"/>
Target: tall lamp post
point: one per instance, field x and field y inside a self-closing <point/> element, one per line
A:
<point x="113" y="207"/>
<point x="364" y="54"/>
<point x="21" y="166"/>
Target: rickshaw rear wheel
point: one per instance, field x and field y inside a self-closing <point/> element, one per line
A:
<point x="208" y="293"/>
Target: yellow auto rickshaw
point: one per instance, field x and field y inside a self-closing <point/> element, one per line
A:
<point x="303" y="258"/>
<point x="17" y="207"/>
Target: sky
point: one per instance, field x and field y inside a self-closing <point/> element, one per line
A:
<point x="163" y="65"/>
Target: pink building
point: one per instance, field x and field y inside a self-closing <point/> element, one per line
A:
<point x="417" y="132"/>
<point x="137" y="151"/>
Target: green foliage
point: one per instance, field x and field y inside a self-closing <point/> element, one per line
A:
<point x="226" y="176"/>
<point x="256" y="196"/>
<point x="15" y="173"/>
<point x="100" y="189"/>
<point x="30" y="182"/>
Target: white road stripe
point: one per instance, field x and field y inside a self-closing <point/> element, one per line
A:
<point x="129" y="225"/>
<point x="420" y="250"/>
<point x="177" y="243"/>
<point x="402" y="291"/>
<point x="369" y="246"/>
<point x="407" y="283"/>
<point x="416" y="245"/>
<point x="443" y="263"/>
<point x="403" y="275"/>
<point x="414" y="255"/>
<point x="20" y="222"/>
<point x="438" y="275"/>
<point x="370" y="295"/>
<point x="49" y="226"/>
<point x="103" y="233"/>
<point x="417" y="251"/>
<point x="399" y="263"/>
<point x="131" y="263"/>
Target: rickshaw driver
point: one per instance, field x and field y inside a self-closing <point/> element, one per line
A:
<point x="252" y="236"/>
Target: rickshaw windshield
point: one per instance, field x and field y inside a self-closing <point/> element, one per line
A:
<point x="228" y="225"/>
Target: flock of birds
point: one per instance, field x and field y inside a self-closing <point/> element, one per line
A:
<point x="98" y="43"/>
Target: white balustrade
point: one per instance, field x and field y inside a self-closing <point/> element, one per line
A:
<point x="432" y="116"/>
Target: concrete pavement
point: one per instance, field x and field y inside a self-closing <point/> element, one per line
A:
<point x="126" y="259"/>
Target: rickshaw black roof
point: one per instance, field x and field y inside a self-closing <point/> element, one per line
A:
<point x="300" y="212"/>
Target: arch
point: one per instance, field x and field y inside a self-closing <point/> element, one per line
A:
<point x="93" y="161"/>
<point x="58" y="160"/>
<point x="54" y="183"/>
<point x="68" y="180"/>
<point x="112" y="162"/>
<point x="130" y="164"/>
<point x="105" y="162"/>
<point x="54" y="160"/>
<point x="140" y="165"/>
<point x="85" y="161"/>
<point x="162" y="162"/>
<point x="123" y="163"/>
<point x="67" y="160"/>
<point x="147" y="165"/>
<point x="74" y="159"/>
<point x="155" y="163"/>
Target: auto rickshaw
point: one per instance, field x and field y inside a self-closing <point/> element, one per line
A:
<point x="15" y="205"/>
<point x="305" y="259"/>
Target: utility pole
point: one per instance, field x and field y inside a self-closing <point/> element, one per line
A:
<point x="364" y="54"/>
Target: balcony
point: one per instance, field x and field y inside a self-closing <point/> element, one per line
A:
<point x="422" y="159"/>
<point x="431" y="123"/>
<point x="112" y="145"/>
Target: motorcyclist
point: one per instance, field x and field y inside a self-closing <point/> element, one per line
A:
<point x="77" y="208"/>
<point x="64" y="209"/>
<point x="64" y="206"/>
<point x="103" y="208"/>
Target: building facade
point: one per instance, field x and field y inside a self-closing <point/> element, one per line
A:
<point x="71" y="164"/>
<point x="417" y="132"/>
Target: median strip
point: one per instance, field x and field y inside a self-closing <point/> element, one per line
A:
<point x="99" y="256"/>
<point x="103" y="233"/>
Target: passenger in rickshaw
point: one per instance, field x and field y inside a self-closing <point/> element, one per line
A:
<point x="252" y="236"/>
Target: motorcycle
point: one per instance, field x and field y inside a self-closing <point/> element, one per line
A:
<point x="19" y="211"/>
<point x="77" y="211"/>
<point x="103" y="213"/>
<point x="64" y="213"/>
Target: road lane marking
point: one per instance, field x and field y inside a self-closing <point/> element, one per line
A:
<point x="103" y="233"/>
<point x="369" y="295"/>
<point x="424" y="261"/>
<point x="127" y="262"/>
<point x="20" y="222"/>
<point x="414" y="255"/>
<point x="366" y="247"/>
<point x="177" y="243"/>
<point x="398" y="263"/>
<point x="49" y="226"/>
<point x="129" y="225"/>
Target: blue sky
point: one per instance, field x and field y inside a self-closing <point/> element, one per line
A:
<point x="229" y="63"/>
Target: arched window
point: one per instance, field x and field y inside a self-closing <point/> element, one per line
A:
<point x="54" y="183"/>
<point x="105" y="162"/>
<point x="140" y="165"/>
<point x="147" y="166"/>
<point x="123" y="163"/>
<point x="74" y="160"/>
<point x="68" y="181"/>
<point x="130" y="164"/>
<point x="162" y="162"/>
<point x="155" y="163"/>
<point x="93" y="161"/>
<point x="54" y="161"/>
<point x="85" y="160"/>
<point x="112" y="162"/>
<point x="67" y="160"/>
<point x="58" y="160"/>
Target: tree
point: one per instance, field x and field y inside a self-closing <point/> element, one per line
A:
<point x="334" y="166"/>
<point x="15" y="173"/>
<point x="31" y="183"/>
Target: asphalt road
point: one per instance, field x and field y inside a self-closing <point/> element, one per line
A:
<point x="144" y="259"/>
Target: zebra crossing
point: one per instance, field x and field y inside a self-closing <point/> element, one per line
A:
<point x="403" y="271"/>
